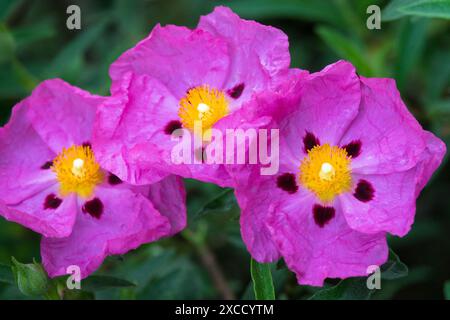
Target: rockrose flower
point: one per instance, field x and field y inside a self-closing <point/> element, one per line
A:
<point x="51" y="182"/>
<point x="178" y="77"/>
<point x="352" y="163"/>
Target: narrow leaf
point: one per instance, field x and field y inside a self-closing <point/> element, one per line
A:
<point x="94" y="283"/>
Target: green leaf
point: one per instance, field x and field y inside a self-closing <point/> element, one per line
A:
<point x="6" y="275"/>
<point x="411" y="44"/>
<point x="311" y="10"/>
<point x="424" y="8"/>
<point x="348" y="289"/>
<point x="31" y="278"/>
<point x="447" y="290"/>
<point x="356" y="288"/>
<point x="6" y="44"/>
<point x="94" y="283"/>
<point x="347" y="49"/>
<point x="393" y="268"/>
<point x="224" y="202"/>
<point x="69" y="60"/>
<point x="262" y="281"/>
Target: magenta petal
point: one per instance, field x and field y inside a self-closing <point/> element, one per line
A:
<point x="23" y="153"/>
<point x="329" y="102"/>
<point x="169" y="198"/>
<point x="258" y="52"/>
<point x="256" y="205"/>
<point x="63" y="115"/>
<point x="31" y="213"/>
<point x="129" y="137"/>
<point x="391" y="139"/>
<point x="177" y="57"/>
<point x="317" y="252"/>
<point x="129" y="220"/>
<point x="392" y="208"/>
<point x="430" y="160"/>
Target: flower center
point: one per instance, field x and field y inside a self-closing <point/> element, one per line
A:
<point x="203" y="104"/>
<point x="326" y="171"/>
<point x="77" y="171"/>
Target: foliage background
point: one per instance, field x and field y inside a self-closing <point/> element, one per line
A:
<point x="412" y="48"/>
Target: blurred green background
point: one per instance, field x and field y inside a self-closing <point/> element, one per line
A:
<point x="209" y="260"/>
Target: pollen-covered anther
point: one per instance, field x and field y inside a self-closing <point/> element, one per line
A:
<point x="202" y="104"/>
<point x="77" y="171"/>
<point x="326" y="172"/>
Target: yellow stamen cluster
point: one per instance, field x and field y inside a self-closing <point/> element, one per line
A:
<point x="77" y="171"/>
<point x="203" y="105"/>
<point x="326" y="171"/>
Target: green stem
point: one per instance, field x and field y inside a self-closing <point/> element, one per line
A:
<point x="262" y="281"/>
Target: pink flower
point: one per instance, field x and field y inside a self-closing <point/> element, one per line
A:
<point x="51" y="183"/>
<point x="353" y="160"/>
<point x="177" y="76"/>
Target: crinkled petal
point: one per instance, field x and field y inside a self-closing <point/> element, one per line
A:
<point x="129" y="137"/>
<point x="256" y="204"/>
<point x="23" y="154"/>
<point x="329" y="102"/>
<point x="332" y="251"/>
<point x="169" y="198"/>
<point x="33" y="214"/>
<point x="431" y="159"/>
<point x="392" y="208"/>
<point x="258" y="52"/>
<point x="391" y="139"/>
<point x="63" y="115"/>
<point x="128" y="220"/>
<point x="177" y="57"/>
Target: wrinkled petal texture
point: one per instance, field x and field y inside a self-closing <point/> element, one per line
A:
<point x="177" y="57"/>
<point x="258" y="53"/>
<point x="397" y="157"/>
<point x="315" y="253"/>
<point x="149" y="80"/>
<point x="63" y="115"/>
<point x="39" y="127"/>
<point x="129" y="219"/>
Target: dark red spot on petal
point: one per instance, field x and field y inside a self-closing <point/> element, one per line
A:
<point x="47" y="165"/>
<point x="322" y="215"/>
<point x="353" y="148"/>
<point x="172" y="126"/>
<point x="52" y="202"/>
<point x="114" y="180"/>
<point x="236" y="91"/>
<point x="287" y="182"/>
<point x="87" y="144"/>
<point x="93" y="207"/>
<point x="310" y="141"/>
<point x="364" y="191"/>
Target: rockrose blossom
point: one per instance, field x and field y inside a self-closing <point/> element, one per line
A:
<point x="177" y="77"/>
<point x="352" y="163"/>
<point x="51" y="183"/>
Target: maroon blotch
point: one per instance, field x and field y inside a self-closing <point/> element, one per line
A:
<point x="236" y="91"/>
<point x="364" y="191"/>
<point x="93" y="207"/>
<point x="172" y="126"/>
<point x="47" y="165"/>
<point x="286" y="182"/>
<point x="322" y="215"/>
<point x="52" y="202"/>
<point x="310" y="141"/>
<point x="114" y="180"/>
<point x="353" y="148"/>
